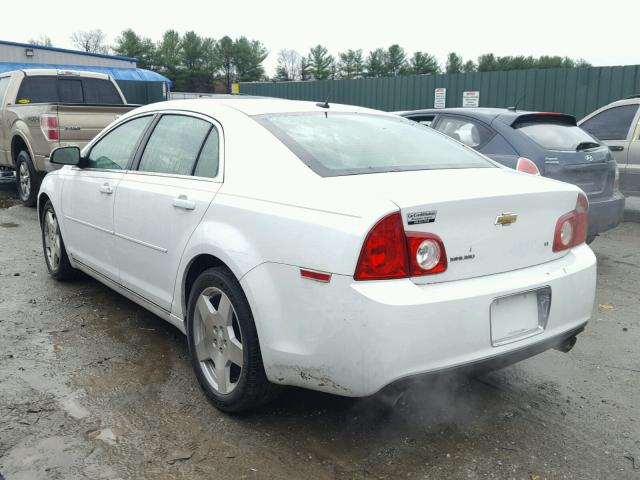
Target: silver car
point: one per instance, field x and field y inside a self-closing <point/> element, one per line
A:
<point x="618" y="126"/>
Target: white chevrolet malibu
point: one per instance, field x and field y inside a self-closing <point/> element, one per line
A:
<point x="330" y="247"/>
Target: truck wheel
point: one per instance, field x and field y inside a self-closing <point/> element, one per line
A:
<point x="55" y="253"/>
<point x="223" y="343"/>
<point x="27" y="180"/>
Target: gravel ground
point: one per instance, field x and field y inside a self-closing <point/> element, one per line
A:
<point x="93" y="386"/>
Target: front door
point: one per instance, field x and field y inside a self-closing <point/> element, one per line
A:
<point x="159" y="204"/>
<point x="88" y="196"/>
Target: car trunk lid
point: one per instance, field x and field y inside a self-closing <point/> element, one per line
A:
<point x="490" y="220"/>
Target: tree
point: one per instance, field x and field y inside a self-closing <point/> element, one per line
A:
<point x="469" y="66"/>
<point x="454" y="63"/>
<point x="169" y="52"/>
<point x="423" y="63"/>
<point x="396" y="60"/>
<point x="288" y="65"/>
<point x="90" y="41"/>
<point x="320" y="62"/>
<point x="487" y="62"/>
<point x="351" y="64"/>
<point x="225" y="52"/>
<point x="248" y="57"/>
<point x="129" y="44"/>
<point x="42" y="41"/>
<point x="305" y="69"/>
<point x="377" y="63"/>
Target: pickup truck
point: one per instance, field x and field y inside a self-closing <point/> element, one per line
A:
<point x="41" y="110"/>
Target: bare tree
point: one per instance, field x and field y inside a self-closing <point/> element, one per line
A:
<point x="42" y="41"/>
<point x="289" y="64"/>
<point x="90" y="41"/>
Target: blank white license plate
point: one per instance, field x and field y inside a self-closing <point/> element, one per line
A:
<point x="514" y="317"/>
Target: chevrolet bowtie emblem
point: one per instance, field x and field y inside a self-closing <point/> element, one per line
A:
<point x="506" y="219"/>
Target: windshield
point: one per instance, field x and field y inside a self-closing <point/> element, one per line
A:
<point x="554" y="136"/>
<point x="333" y="144"/>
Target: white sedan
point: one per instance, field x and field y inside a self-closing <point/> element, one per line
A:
<point x="330" y="247"/>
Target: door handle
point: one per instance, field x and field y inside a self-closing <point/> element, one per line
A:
<point x="616" y="148"/>
<point x="106" y="188"/>
<point x="183" y="202"/>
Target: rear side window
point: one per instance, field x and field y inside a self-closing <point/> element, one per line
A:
<point x="174" y="145"/>
<point x="38" y="90"/>
<point x="465" y="130"/>
<point x="333" y="144"/>
<point x="115" y="149"/>
<point x="208" y="162"/>
<point x="101" y="92"/>
<point x="612" y="124"/>
<point x="70" y="91"/>
<point x="556" y="136"/>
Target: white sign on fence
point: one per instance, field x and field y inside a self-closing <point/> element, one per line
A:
<point x="471" y="99"/>
<point x="440" y="98"/>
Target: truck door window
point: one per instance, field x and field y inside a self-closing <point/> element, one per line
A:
<point x="100" y="92"/>
<point x="70" y="91"/>
<point x="611" y="124"/>
<point x="38" y="90"/>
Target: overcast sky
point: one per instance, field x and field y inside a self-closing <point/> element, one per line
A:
<point x="602" y="32"/>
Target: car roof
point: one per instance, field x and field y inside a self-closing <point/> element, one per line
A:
<point x="254" y="105"/>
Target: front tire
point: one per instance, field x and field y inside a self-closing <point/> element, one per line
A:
<point x="223" y="343"/>
<point x="27" y="179"/>
<point x="55" y="252"/>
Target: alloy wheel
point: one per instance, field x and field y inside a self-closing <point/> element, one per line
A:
<point x="52" y="240"/>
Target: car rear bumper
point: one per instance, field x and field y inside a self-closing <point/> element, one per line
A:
<point x="354" y="338"/>
<point x="605" y="214"/>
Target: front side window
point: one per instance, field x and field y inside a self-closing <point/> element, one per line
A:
<point x="471" y="133"/>
<point x="115" y="149"/>
<point x="174" y="145"/>
<point x="333" y="144"/>
<point x="611" y="124"/>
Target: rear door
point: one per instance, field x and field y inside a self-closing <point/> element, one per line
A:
<point x="614" y="126"/>
<point x="570" y="154"/>
<point x="161" y="202"/>
<point x="88" y="197"/>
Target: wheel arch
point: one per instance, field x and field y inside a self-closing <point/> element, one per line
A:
<point x="18" y="144"/>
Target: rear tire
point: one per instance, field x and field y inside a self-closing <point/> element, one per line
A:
<point x="223" y="343"/>
<point x="55" y="252"/>
<point x="27" y="179"/>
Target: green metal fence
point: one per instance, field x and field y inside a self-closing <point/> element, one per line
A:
<point x="576" y="91"/>
<point x="141" y="92"/>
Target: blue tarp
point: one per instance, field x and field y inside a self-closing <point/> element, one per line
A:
<point x="139" y="74"/>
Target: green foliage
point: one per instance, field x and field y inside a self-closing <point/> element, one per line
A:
<point x="320" y="63"/>
<point x="351" y="64"/>
<point x="469" y="66"/>
<point x="377" y="63"/>
<point x="454" y="63"/>
<point x="129" y="44"/>
<point x="422" y="63"/>
<point x="396" y="60"/>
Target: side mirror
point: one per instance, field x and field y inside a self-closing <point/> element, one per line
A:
<point x="65" y="155"/>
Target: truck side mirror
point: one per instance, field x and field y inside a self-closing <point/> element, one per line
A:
<point x="65" y="155"/>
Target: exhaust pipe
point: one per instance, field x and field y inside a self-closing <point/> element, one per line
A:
<point x="566" y="344"/>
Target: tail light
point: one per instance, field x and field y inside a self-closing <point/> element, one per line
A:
<point x="49" y="126"/>
<point x="527" y="166"/>
<point x="388" y="252"/>
<point x="571" y="228"/>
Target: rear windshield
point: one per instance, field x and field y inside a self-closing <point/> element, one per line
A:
<point x="555" y="136"/>
<point x="333" y="144"/>
<point x="50" y="89"/>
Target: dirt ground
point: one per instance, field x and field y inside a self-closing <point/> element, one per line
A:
<point x="93" y="386"/>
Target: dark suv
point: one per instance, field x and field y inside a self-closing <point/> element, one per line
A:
<point x="545" y="143"/>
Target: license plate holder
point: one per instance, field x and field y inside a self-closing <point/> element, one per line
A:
<point x="519" y="315"/>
